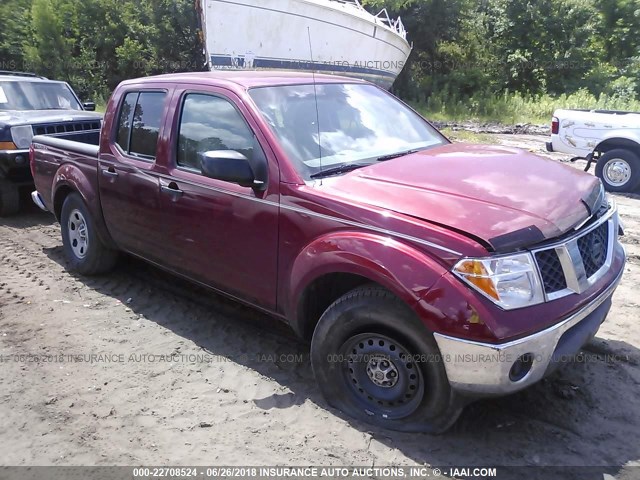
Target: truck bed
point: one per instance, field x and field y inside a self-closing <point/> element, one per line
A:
<point x="607" y="112"/>
<point x="610" y="137"/>
<point x="88" y="146"/>
<point x="52" y="154"/>
<point x="579" y="132"/>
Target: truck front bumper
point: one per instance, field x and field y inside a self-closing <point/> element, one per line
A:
<point x="486" y="369"/>
<point x="14" y="166"/>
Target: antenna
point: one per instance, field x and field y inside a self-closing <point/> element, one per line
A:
<point x="315" y="95"/>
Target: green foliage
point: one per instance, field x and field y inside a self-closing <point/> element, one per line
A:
<point x="514" y="108"/>
<point x="546" y="45"/>
<point x="468" y="137"/>
<point x="15" y="15"/>
<point x="516" y="60"/>
<point x="619" y="27"/>
<point x="483" y="58"/>
<point x="95" y="44"/>
<point x="394" y="4"/>
<point x="50" y="44"/>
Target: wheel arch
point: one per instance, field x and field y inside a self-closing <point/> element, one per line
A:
<point x="60" y="195"/>
<point x="335" y="264"/>
<point x="69" y="179"/>
<point x="319" y="294"/>
<point x="618" y="142"/>
<point x="623" y="147"/>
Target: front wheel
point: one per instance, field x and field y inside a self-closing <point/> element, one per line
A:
<point x="619" y="170"/>
<point x="375" y="361"/>
<point x="82" y="245"/>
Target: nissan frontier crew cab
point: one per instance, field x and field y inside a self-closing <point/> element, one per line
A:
<point x="425" y="274"/>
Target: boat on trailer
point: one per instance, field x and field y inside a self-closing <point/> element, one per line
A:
<point x="328" y="36"/>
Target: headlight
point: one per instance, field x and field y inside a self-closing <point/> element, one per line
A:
<point x="22" y="136"/>
<point x="511" y="281"/>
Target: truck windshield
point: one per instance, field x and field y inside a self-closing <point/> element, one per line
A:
<point x="26" y="95"/>
<point x="350" y="124"/>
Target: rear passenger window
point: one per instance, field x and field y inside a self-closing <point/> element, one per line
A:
<point x="139" y="123"/>
<point x="211" y="123"/>
<point x="124" y="122"/>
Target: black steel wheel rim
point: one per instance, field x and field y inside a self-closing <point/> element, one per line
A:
<point x="381" y="376"/>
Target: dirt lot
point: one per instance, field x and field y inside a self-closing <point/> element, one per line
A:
<point x="237" y="394"/>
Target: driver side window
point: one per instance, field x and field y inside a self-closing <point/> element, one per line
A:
<point x="210" y="123"/>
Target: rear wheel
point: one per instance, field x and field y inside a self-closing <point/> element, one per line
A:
<point x="82" y="245"/>
<point x="9" y="199"/>
<point x="619" y="170"/>
<point x="375" y="361"/>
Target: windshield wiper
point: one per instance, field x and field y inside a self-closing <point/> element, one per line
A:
<point x="338" y="170"/>
<point x="395" y="155"/>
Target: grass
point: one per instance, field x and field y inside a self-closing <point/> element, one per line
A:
<point x="467" y="136"/>
<point x="507" y="109"/>
<point x="513" y="108"/>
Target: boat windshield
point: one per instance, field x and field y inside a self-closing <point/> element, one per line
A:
<point x="26" y="95"/>
<point x="349" y="124"/>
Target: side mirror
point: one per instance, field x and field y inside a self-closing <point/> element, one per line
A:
<point x="229" y="166"/>
<point x="89" y="106"/>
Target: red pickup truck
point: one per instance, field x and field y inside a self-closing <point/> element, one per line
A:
<point x="424" y="273"/>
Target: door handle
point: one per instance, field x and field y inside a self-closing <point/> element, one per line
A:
<point x="109" y="172"/>
<point x="171" y="189"/>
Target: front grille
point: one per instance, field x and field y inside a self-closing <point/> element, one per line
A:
<point x="588" y="249"/>
<point x="66" y="127"/>
<point x="551" y="271"/>
<point x="593" y="249"/>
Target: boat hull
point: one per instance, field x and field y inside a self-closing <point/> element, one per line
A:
<point x="311" y="35"/>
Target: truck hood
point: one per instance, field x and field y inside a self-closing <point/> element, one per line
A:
<point x="32" y="117"/>
<point x="505" y="198"/>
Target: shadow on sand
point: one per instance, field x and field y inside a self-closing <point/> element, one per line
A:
<point x="587" y="413"/>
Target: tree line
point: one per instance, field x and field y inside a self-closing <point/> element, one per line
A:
<point x="95" y="44"/>
<point x="462" y="47"/>
<point x="531" y="47"/>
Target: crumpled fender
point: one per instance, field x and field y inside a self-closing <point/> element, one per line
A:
<point x="402" y="269"/>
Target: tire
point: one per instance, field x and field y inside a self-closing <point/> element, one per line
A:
<point x="83" y="248"/>
<point x="9" y="199"/>
<point x="357" y="355"/>
<point x="619" y="170"/>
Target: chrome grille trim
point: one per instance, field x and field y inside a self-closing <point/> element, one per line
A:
<point x="571" y="259"/>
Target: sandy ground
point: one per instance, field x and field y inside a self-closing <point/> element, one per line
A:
<point x="239" y="388"/>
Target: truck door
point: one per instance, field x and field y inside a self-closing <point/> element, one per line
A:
<point x="128" y="174"/>
<point x="219" y="233"/>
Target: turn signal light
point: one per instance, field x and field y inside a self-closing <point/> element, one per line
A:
<point x="8" y="146"/>
<point x="477" y="274"/>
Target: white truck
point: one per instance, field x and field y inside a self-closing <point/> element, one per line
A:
<point x="609" y="138"/>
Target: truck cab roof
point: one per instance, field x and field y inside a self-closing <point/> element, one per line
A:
<point x="9" y="76"/>
<point x="245" y="79"/>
